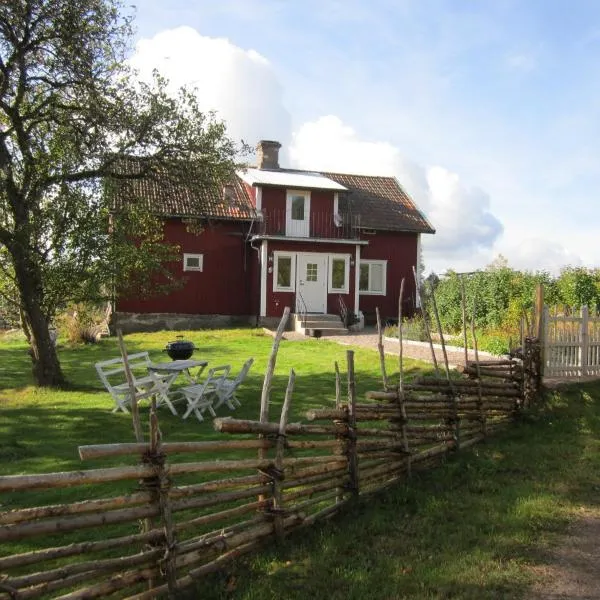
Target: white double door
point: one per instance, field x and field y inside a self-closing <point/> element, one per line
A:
<point x="311" y="282"/>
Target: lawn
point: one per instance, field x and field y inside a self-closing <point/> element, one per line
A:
<point x="41" y="429"/>
<point x="477" y="527"/>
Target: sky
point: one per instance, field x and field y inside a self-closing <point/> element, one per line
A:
<point x="486" y="111"/>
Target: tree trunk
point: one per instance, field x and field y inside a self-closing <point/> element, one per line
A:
<point x="46" y="367"/>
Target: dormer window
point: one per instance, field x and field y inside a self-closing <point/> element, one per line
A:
<point x="297" y="214"/>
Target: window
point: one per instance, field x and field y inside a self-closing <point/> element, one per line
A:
<point x="284" y="275"/>
<point x="193" y="262"/>
<point x="372" y="276"/>
<point x="297" y="208"/>
<point x="339" y="273"/>
<point x="312" y="272"/>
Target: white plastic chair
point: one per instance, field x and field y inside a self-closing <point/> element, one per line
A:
<point x="147" y="383"/>
<point x="227" y="389"/>
<point x="200" y="396"/>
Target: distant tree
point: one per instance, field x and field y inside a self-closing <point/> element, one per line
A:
<point x="577" y="286"/>
<point x="70" y="110"/>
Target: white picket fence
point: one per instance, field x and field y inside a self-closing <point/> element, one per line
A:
<point x="571" y="344"/>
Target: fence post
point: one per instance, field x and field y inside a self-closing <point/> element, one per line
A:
<point x="351" y="446"/>
<point x="585" y="340"/>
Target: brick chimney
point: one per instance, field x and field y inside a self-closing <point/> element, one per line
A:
<point x="267" y="153"/>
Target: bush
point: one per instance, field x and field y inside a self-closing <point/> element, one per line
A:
<point x="412" y="329"/>
<point x="82" y="323"/>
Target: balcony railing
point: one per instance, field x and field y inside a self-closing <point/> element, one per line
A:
<point x="278" y="222"/>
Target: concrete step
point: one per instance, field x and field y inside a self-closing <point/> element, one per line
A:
<point x="319" y="324"/>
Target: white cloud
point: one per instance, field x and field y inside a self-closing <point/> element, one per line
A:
<point x="240" y="85"/>
<point x="466" y="229"/>
<point x="536" y="254"/>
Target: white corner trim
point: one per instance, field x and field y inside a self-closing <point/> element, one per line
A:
<point x="258" y="198"/>
<point x="418" y="270"/>
<point x="264" y="249"/>
<point x="356" y="279"/>
<point x="336" y="203"/>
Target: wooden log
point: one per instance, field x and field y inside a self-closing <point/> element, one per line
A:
<point x="384" y="469"/>
<point x="65" y="479"/>
<point x="229" y="425"/>
<point x="11" y="483"/>
<point x="321" y="469"/>
<point x="277" y="489"/>
<point x="215" y="485"/>
<point x="293" y="483"/>
<point x="351" y="453"/>
<point x="366" y="416"/>
<point x="338" y="387"/>
<point x="325" y="513"/>
<point x="466" y="383"/>
<point x="190" y="555"/>
<point x="366" y="445"/>
<point x="266" y="389"/>
<point x="493" y="363"/>
<point x="135" y="413"/>
<point x="92" y="569"/>
<point x="302" y="506"/>
<point x="188" y="580"/>
<point x="443" y="448"/>
<point x="494" y="373"/>
<point x="380" y="350"/>
<point x="312" y="490"/>
<point x="223" y="515"/>
<point x="216" y="540"/>
<point x="485" y="391"/>
<point x="106" y="587"/>
<point x="76" y="549"/>
<point x="135" y="449"/>
<point x="64" y="524"/>
<point x="425" y="322"/>
<point x="57" y="510"/>
<point x="392" y="396"/>
<point x="401" y="392"/>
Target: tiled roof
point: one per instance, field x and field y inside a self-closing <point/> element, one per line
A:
<point x="381" y="203"/>
<point x="169" y="198"/>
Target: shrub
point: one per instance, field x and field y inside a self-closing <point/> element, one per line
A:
<point x="82" y="323"/>
<point x="412" y="329"/>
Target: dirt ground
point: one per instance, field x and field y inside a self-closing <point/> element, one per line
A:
<point x="572" y="570"/>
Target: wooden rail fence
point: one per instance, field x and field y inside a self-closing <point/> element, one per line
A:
<point x="155" y="527"/>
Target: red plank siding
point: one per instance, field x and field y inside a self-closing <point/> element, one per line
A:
<point x="223" y="287"/>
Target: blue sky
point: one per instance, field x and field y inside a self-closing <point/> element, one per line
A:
<point x="486" y="111"/>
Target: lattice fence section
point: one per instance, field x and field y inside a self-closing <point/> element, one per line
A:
<point x="571" y="343"/>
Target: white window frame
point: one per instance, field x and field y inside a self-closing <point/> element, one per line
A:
<point x="292" y="256"/>
<point x="293" y="227"/>
<point x="370" y="292"/>
<point x="346" y="288"/>
<point x="187" y="256"/>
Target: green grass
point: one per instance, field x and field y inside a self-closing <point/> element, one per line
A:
<point x="476" y="527"/>
<point x="41" y="429"/>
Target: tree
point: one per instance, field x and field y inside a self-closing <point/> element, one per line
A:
<point x="70" y="112"/>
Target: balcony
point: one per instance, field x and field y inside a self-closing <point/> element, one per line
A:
<point x="320" y="225"/>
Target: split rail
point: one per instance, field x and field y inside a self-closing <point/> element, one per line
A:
<point x="182" y="510"/>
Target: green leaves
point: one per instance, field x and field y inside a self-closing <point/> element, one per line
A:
<point x="70" y="112"/>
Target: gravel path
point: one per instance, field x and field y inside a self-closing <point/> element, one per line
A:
<point x="367" y="338"/>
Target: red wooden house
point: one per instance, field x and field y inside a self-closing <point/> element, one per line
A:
<point x="278" y="237"/>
